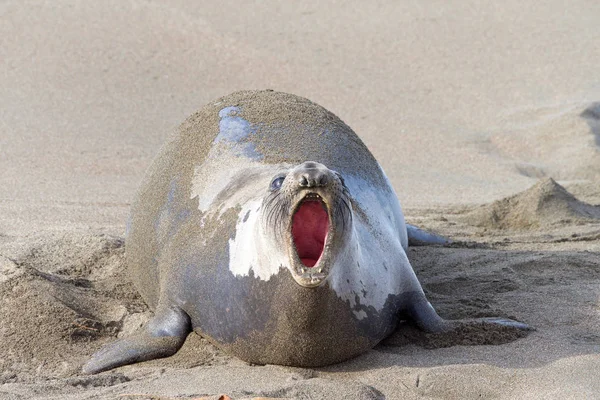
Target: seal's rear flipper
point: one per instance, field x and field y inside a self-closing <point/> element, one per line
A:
<point x="137" y="348"/>
<point x="485" y="330"/>
<point x="419" y="237"/>
<point x="161" y="337"/>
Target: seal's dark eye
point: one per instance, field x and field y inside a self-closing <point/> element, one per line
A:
<point x="277" y="182"/>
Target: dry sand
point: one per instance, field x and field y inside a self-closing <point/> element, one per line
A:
<point x="471" y="108"/>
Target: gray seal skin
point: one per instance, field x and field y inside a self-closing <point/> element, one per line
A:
<point x="266" y="226"/>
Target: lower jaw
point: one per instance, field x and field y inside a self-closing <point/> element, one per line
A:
<point x="309" y="277"/>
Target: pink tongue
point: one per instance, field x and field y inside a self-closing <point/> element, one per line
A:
<point x="309" y="229"/>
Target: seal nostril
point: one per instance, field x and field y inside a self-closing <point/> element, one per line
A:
<point x="312" y="180"/>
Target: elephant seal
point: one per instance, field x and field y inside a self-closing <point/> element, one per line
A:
<point x="267" y="226"/>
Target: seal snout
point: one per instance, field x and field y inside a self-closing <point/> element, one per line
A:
<point x="316" y="204"/>
<point x="311" y="174"/>
<point x="310" y="220"/>
<point x="313" y="180"/>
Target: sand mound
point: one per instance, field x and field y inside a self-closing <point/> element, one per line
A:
<point x="57" y="298"/>
<point x="544" y="204"/>
<point x="475" y="333"/>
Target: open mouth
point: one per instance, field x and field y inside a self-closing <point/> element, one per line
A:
<point x="310" y="225"/>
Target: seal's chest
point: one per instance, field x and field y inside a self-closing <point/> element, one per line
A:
<point x="297" y="326"/>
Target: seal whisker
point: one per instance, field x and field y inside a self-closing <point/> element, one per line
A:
<point x="343" y="211"/>
<point x="276" y="207"/>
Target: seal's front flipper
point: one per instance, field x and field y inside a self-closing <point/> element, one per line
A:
<point x="139" y="347"/>
<point x="161" y="337"/>
<point x="471" y="331"/>
<point x="502" y="322"/>
<point x="422" y="313"/>
<point x="419" y="237"/>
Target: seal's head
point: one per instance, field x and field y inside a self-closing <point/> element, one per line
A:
<point x="309" y="212"/>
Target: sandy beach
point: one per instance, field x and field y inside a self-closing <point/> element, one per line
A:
<point x="485" y="117"/>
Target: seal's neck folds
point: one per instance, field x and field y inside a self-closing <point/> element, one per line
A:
<point x="310" y="225"/>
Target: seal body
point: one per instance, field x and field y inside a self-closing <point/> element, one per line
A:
<point x="267" y="226"/>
